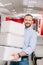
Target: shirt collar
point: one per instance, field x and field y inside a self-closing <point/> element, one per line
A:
<point x="31" y="27"/>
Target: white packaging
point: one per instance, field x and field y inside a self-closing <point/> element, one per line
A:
<point x="13" y="27"/>
<point x="10" y="39"/>
<point x="6" y="53"/>
<point x="1" y="52"/>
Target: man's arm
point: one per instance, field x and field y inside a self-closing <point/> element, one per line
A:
<point x="31" y="47"/>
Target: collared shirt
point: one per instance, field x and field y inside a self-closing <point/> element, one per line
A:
<point x="30" y="38"/>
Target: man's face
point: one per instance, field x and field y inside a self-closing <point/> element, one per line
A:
<point x="28" y="21"/>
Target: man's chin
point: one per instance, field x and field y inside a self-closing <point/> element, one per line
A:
<point x="27" y="26"/>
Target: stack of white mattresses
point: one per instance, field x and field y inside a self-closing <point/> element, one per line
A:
<point x="11" y="39"/>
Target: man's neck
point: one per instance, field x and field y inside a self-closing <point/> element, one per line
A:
<point x="29" y="27"/>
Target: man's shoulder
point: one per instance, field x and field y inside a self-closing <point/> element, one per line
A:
<point x="34" y="32"/>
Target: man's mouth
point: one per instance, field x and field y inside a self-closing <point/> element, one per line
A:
<point x="27" y="23"/>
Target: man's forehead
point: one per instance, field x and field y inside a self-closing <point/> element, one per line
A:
<point x="28" y="17"/>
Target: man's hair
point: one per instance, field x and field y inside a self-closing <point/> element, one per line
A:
<point x="28" y="15"/>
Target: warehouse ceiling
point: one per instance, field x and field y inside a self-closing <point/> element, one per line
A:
<point x="21" y="6"/>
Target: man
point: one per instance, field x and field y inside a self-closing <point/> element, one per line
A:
<point x="30" y="38"/>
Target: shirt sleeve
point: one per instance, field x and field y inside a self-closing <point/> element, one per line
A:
<point x="28" y="50"/>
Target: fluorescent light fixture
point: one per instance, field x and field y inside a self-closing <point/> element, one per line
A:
<point x="25" y="2"/>
<point x="13" y="10"/>
<point x="32" y="1"/>
<point x="1" y="4"/>
<point x="4" y="10"/>
<point x="7" y="4"/>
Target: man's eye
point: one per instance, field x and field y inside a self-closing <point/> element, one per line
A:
<point x="26" y="20"/>
<point x="29" y="20"/>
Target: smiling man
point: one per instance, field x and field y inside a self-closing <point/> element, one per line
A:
<point x="30" y="38"/>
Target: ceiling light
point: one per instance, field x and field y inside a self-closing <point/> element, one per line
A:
<point x="25" y="2"/>
<point x="13" y="10"/>
<point x="7" y="4"/>
<point x="32" y="1"/>
<point x="4" y="10"/>
<point x="1" y="4"/>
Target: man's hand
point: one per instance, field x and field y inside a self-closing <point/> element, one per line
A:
<point x="15" y="57"/>
<point x="22" y="53"/>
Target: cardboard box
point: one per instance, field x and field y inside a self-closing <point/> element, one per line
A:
<point x="6" y="53"/>
<point x="13" y="27"/>
<point x="10" y="39"/>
